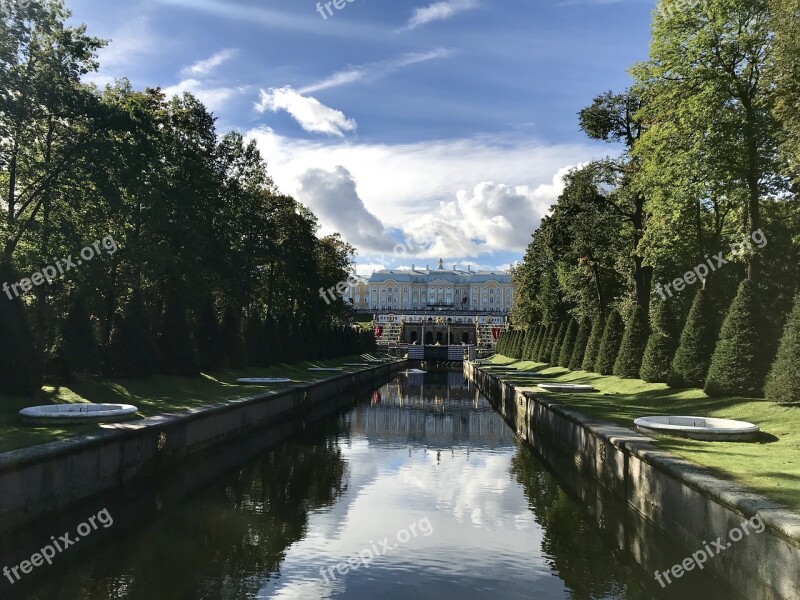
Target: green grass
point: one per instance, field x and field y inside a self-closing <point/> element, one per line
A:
<point x="770" y="465"/>
<point x="157" y="395"/>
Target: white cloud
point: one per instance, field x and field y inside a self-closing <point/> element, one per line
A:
<point x="205" y="66"/>
<point x="333" y="197"/>
<point x="466" y="197"/>
<point x="439" y="11"/>
<point x="214" y="98"/>
<point x="375" y="70"/>
<point x="309" y="112"/>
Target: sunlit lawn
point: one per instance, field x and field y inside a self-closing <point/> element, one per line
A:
<point x="153" y="396"/>
<point x="770" y="466"/>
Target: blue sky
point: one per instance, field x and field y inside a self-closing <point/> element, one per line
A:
<point x="444" y="126"/>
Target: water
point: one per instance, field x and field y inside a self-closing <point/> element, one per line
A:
<point x="422" y="488"/>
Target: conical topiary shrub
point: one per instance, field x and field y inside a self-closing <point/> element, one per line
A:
<point x="738" y="365"/>
<point x="175" y="339"/>
<point x="232" y="339"/>
<point x="568" y="345"/>
<point x="593" y="345"/>
<point x="210" y="342"/>
<point x="80" y="353"/>
<point x="783" y="384"/>
<point x="661" y="345"/>
<point x="634" y="341"/>
<point x="609" y="345"/>
<point x="696" y="343"/>
<point x="559" y="339"/>
<point x="547" y="343"/>
<point x="20" y="373"/>
<point x="530" y="338"/>
<point x="581" y="341"/>
<point x="538" y="343"/>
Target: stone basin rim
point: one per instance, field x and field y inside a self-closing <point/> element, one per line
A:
<point x="78" y="412"/>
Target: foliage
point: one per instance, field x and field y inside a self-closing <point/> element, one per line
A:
<point x="695" y="346"/>
<point x="661" y="345"/>
<point x="610" y="344"/>
<point x="783" y="384"/>
<point x="634" y="342"/>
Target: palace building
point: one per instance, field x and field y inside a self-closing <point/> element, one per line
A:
<point x="490" y="292"/>
<point x="436" y="306"/>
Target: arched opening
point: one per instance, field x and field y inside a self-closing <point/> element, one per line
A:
<point x="439" y="337"/>
<point x="429" y="339"/>
<point x="413" y="337"/>
<point x="465" y="337"/>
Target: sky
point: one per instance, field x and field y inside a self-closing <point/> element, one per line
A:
<point x="419" y="130"/>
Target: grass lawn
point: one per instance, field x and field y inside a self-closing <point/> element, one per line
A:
<point x="770" y="466"/>
<point x="152" y="396"/>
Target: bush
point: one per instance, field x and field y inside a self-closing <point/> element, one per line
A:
<point x="537" y="344"/>
<point x="610" y="344"/>
<point x="568" y="345"/>
<point x="20" y="373"/>
<point x="693" y="356"/>
<point x="78" y="350"/>
<point x="209" y="338"/>
<point x="783" y="384"/>
<point x="739" y="365"/>
<point x="634" y="342"/>
<point x="556" y="348"/>
<point x="175" y="340"/>
<point x="593" y="345"/>
<point x="581" y="341"/>
<point x="661" y="345"/>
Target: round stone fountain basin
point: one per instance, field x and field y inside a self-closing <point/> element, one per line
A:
<point x="78" y="413"/>
<point x="699" y="428"/>
<point x="566" y="387"/>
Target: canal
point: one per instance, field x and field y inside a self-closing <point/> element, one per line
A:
<point x="419" y="490"/>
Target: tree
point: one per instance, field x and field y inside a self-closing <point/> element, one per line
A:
<point x="661" y="345"/>
<point x="581" y="342"/>
<point x="634" y="342"/>
<point x="708" y="106"/>
<point x="696" y="343"/>
<point x="739" y="365"/>
<point x="610" y="344"/>
<point x="783" y="385"/>
<point x="785" y="75"/>
<point x="547" y="343"/>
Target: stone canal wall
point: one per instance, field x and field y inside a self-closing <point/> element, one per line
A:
<point x="41" y="479"/>
<point x="680" y="500"/>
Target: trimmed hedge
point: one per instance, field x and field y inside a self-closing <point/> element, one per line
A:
<point x="661" y="345"/>
<point x="581" y="341"/>
<point x="739" y="365"/>
<point x="634" y="342"/>
<point x="593" y="345"/>
<point x="555" y="350"/>
<point x="696" y="344"/>
<point x="568" y="345"/>
<point x="610" y="344"/>
<point x="20" y="373"/>
<point x="783" y="384"/>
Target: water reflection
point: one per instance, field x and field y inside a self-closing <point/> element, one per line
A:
<point x="423" y="447"/>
